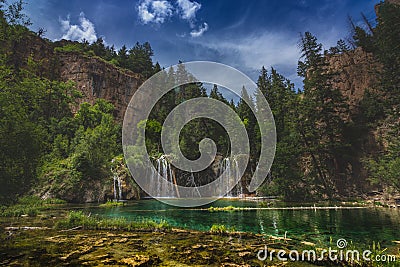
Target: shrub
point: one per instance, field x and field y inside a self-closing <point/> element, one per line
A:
<point x="75" y="47"/>
<point x="110" y="204"/>
<point x="221" y="229"/>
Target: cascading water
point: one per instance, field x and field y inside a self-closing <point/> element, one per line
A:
<point x="115" y="189"/>
<point x="117" y="182"/>
<point x="164" y="169"/>
<point x="119" y="187"/>
<point x="229" y="169"/>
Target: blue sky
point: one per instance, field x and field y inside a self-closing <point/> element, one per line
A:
<point x="244" y="34"/>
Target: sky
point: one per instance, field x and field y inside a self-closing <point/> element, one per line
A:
<point x="242" y="33"/>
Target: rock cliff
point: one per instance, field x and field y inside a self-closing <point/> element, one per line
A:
<point x="93" y="76"/>
<point x="354" y="72"/>
<point x="96" y="78"/>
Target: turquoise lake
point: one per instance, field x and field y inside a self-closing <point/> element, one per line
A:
<point x="360" y="226"/>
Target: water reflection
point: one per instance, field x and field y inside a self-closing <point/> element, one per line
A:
<point x="318" y="226"/>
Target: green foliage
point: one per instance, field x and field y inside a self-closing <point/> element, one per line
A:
<point x="382" y="41"/>
<point x="321" y="122"/>
<point x="285" y="178"/>
<point x="385" y="169"/>
<point x="79" y="218"/>
<point x="83" y="152"/>
<point x="71" y="47"/>
<point x="46" y="146"/>
<point x="29" y="105"/>
<point x="137" y="59"/>
<point x="221" y="229"/>
<point x="14" y="14"/>
<point x="30" y="205"/>
<point x="228" y="208"/>
<point x="111" y="204"/>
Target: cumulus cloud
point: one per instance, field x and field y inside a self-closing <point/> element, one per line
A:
<point x="84" y="31"/>
<point x="199" y="32"/>
<point x="158" y="11"/>
<point x="151" y="11"/>
<point x="188" y="9"/>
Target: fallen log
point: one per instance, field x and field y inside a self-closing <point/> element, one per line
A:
<point x="26" y="228"/>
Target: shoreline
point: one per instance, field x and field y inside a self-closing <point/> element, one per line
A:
<point x="35" y="240"/>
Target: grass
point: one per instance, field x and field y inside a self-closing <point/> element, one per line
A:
<point x="87" y="222"/>
<point x="111" y="204"/>
<point x="221" y="229"/>
<point x="30" y="205"/>
<point x="228" y="208"/>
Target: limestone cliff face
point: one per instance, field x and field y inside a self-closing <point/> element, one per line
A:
<point x="96" y="78"/>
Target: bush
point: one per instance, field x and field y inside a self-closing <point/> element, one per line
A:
<point x="75" y="47"/>
<point x="18" y="211"/>
<point x="111" y="204"/>
<point x="221" y="229"/>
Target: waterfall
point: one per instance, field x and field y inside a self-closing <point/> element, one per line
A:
<point x="239" y="186"/>
<point x="164" y="169"/>
<point x="116" y="182"/>
<point x="229" y="169"/>
<point x="119" y="187"/>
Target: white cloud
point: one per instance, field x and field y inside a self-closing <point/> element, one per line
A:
<point x="255" y="50"/>
<point x="158" y="11"/>
<point x="84" y="31"/>
<point x="251" y="51"/>
<point x="188" y="9"/>
<point x="151" y="11"/>
<point x="202" y="29"/>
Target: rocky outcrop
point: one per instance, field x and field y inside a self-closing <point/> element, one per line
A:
<point x="354" y="72"/>
<point x="96" y="78"/>
<point x="93" y="76"/>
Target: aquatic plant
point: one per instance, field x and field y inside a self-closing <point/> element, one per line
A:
<point x="221" y="229"/>
<point x="110" y="204"/>
<point x="228" y="208"/>
<point x="86" y="221"/>
<point x="30" y="205"/>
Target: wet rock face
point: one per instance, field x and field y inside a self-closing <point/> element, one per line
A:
<point x="96" y="78"/>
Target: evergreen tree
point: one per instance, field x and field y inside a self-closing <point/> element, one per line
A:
<point x="320" y="119"/>
<point x="123" y="57"/>
<point x="140" y="59"/>
<point x="245" y="109"/>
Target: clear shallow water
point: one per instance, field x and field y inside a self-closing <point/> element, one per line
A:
<point x="361" y="226"/>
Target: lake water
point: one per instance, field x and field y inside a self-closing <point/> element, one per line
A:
<point x="360" y="226"/>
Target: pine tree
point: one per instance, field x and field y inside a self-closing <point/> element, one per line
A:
<point x="245" y="109"/>
<point x="123" y="57"/>
<point x="320" y="123"/>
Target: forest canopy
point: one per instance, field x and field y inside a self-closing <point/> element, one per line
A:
<point x="323" y="149"/>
